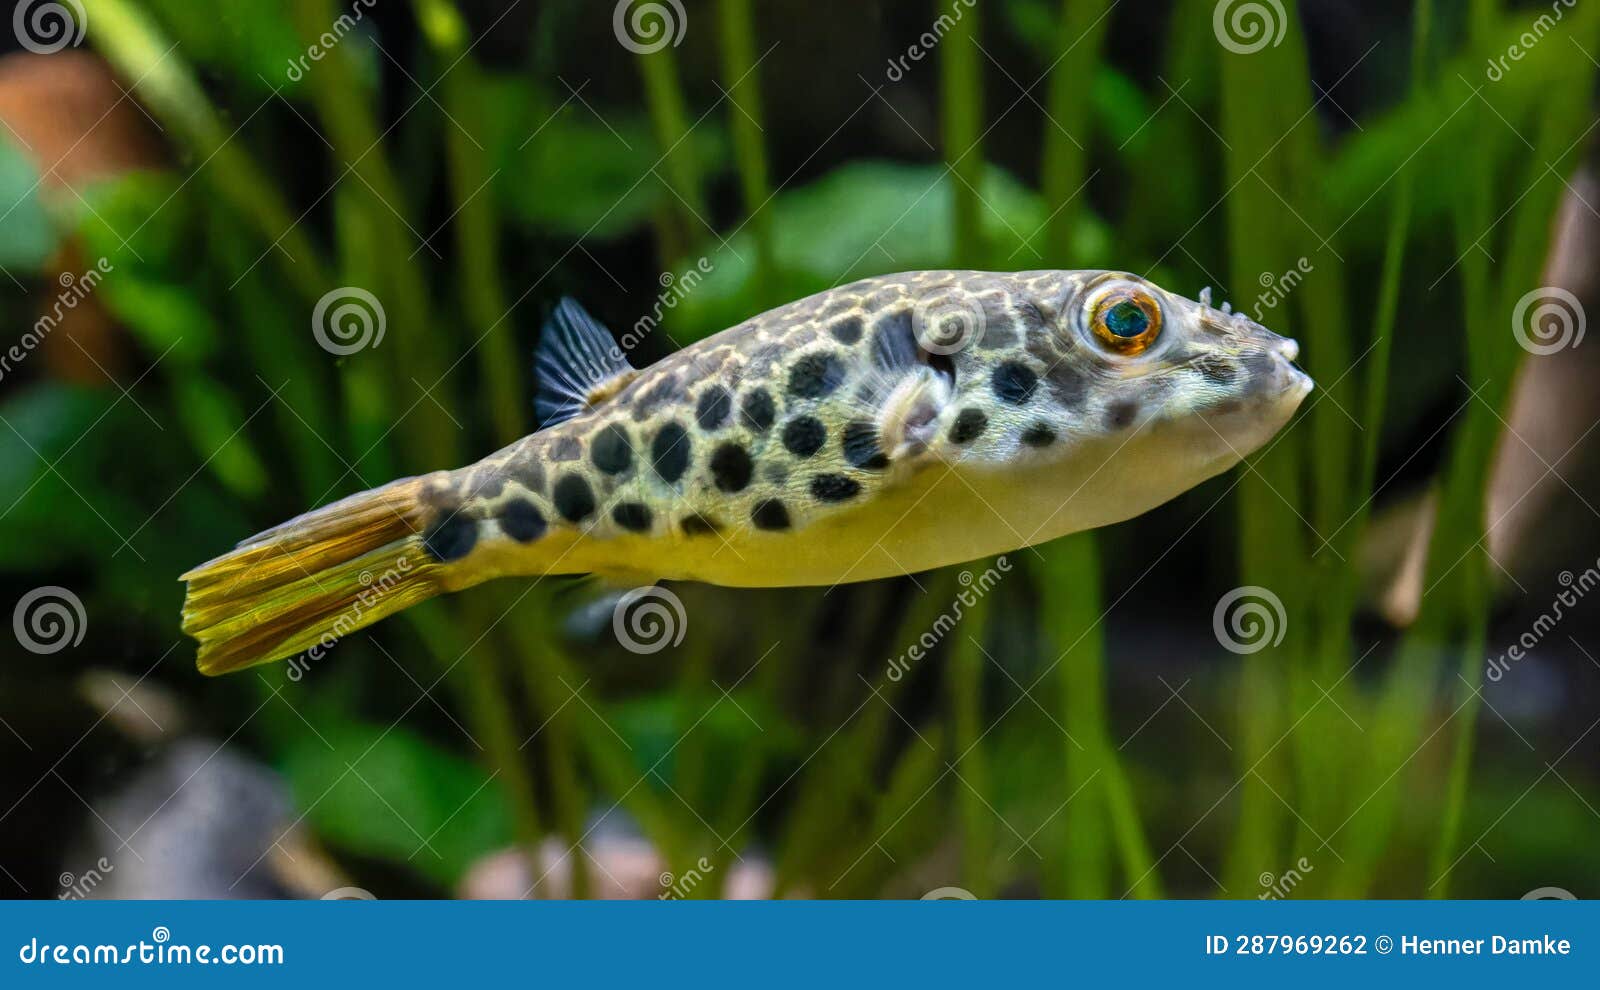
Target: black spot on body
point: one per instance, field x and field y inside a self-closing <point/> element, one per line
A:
<point x="757" y="411"/>
<point x="834" y="488"/>
<point x="698" y="525"/>
<point x="1067" y="385"/>
<point x="1014" y="382"/>
<point x="1217" y="370"/>
<point x="451" y="538"/>
<point x="611" y="449"/>
<point x="632" y="516"/>
<point x="655" y="396"/>
<point x="485" y="483"/>
<point x="770" y="514"/>
<point x="804" y="436"/>
<point x="731" y="468"/>
<point x="968" y="426"/>
<point x="565" y="448"/>
<point x="860" y="443"/>
<point x="1039" y="435"/>
<point x="522" y="521"/>
<point x="894" y="342"/>
<point x="712" y="411"/>
<point x="847" y="330"/>
<point x="670" y="452"/>
<point x="816" y="375"/>
<point x="573" y="498"/>
<point x="1121" y="414"/>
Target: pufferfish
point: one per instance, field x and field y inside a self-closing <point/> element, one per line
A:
<point x="884" y="427"/>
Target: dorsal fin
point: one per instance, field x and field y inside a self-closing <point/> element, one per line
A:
<point x="577" y="364"/>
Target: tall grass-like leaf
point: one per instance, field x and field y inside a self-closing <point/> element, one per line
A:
<point x="418" y="348"/>
<point x="1260" y="114"/>
<point x="1066" y="131"/>
<point x="683" y="222"/>
<point x="749" y="148"/>
<point x="961" y="125"/>
<point x="475" y="218"/>
<point x="134" y="45"/>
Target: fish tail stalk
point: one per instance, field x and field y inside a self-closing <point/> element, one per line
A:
<point x="304" y="584"/>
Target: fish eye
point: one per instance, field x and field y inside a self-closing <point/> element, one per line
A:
<point x="1126" y="320"/>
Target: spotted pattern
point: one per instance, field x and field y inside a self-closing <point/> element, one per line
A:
<point x="801" y="412"/>
<point x="611" y="450"/>
<point x="712" y="411"/>
<point x="804" y="436"/>
<point x="574" y="498"/>
<point x="451" y="538"/>
<point x="521" y="520"/>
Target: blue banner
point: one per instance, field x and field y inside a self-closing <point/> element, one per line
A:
<point x="793" y="943"/>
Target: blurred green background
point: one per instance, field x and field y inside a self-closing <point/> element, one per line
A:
<point x="184" y="184"/>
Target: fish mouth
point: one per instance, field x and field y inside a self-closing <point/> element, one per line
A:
<point x="1296" y="383"/>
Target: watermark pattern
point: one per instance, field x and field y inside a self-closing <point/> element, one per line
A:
<point x="159" y="951"/>
<point x="49" y="619"/>
<point x="1276" y="888"/>
<point x="947" y="324"/>
<point x="676" y="888"/>
<point x="674" y="289"/>
<point x="1276" y="288"/>
<point x="76" y="888"/>
<point x="1249" y="619"/>
<point x="949" y="894"/>
<point x="328" y="40"/>
<point x="1518" y="50"/>
<point x="1248" y="27"/>
<point x="1575" y="587"/>
<point x="373" y="590"/>
<point x="349" y="894"/>
<point x="74" y="290"/>
<point x="647" y="26"/>
<point x="1548" y="319"/>
<point x="929" y="39"/>
<point x="973" y="588"/>
<point x="45" y="27"/>
<point x="1549" y="894"/>
<point x="348" y="319"/>
<point x="647" y="620"/>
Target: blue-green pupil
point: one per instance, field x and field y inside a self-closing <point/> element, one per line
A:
<point x="1126" y="319"/>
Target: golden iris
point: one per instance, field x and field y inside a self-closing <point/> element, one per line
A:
<point x="1127" y="321"/>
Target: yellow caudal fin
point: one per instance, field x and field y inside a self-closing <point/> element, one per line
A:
<point x="315" y="578"/>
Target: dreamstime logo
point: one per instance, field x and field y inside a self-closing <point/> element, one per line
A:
<point x="349" y="894"/>
<point x="973" y="587"/>
<point x="329" y="39"/>
<point x="674" y="289"/>
<point x="74" y="290"/>
<point x="1248" y="27"/>
<point x="950" y="894"/>
<point x="676" y="888"/>
<point x="648" y="620"/>
<point x="1574" y="588"/>
<point x="1547" y="320"/>
<point x="44" y="27"/>
<point x="650" y="26"/>
<point x="76" y="888"/>
<point x="1276" y="288"/>
<point x="48" y="620"/>
<point x="1518" y="50"/>
<point x="1549" y="894"/>
<point x="348" y="319"/>
<point x="947" y="324"/>
<point x="374" y="588"/>
<point x="1249" y="619"/>
<point x="929" y="39"/>
<point x="1276" y="888"/>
